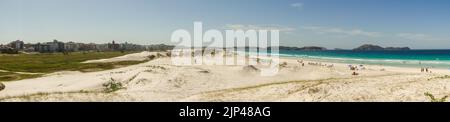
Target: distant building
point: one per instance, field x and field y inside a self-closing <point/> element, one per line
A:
<point x="28" y="47"/>
<point x="57" y="46"/>
<point x="18" y="45"/>
<point x="50" y="47"/>
<point x="102" y="47"/>
<point x="159" y="47"/>
<point x="42" y="48"/>
<point x="113" y="46"/>
<point x="127" y="46"/>
<point x="71" y="46"/>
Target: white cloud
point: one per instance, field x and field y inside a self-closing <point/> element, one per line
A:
<point x="419" y="36"/>
<point x="297" y="5"/>
<point x="258" y="27"/>
<point x="352" y="32"/>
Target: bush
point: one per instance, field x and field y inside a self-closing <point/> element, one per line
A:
<point x="9" y="51"/>
<point x="151" y="57"/>
<point x="433" y="99"/>
<point x="112" y="86"/>
<point x="2" y="86"/>
<point x="159" y="55"/>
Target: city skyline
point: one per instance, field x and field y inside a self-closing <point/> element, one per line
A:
<point x="332" y="24"/>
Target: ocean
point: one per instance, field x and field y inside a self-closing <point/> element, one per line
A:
<point x="405" y="58"/>
<point x="410" y="58"/>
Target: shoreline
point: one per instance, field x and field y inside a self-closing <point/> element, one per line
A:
<point x="387" y="62"/>
<point x="396" y="68"/>
<point x="406" y="61"/>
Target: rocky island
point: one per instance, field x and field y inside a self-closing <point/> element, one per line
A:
<point x="306" y="48"/>
<point x="370" y="47"/>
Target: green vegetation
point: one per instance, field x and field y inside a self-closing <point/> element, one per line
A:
<point x="112" y="86"/>
<point x="32" y="97"/>
<point x="151" y="57"/>
<point x="53" y="62"/>
<point x="47" y="63"/>
<point x="10" y="76"/>
<point x="440" y="77"/>
<point x="433" y="99"/>
<point x="103" y="66"/>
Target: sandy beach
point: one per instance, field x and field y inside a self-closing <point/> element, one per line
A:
<point x="160" y="80"/>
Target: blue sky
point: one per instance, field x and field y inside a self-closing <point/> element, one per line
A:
<point x="420" y="24"/>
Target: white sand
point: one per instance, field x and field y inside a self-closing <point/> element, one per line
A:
<point x="130" y="57"/>
<point x="159" y="80"/>
<point x="28" y="73"/>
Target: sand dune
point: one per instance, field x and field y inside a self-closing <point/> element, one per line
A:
<point x="159" y="80"/>
<point x="130" y="57"/>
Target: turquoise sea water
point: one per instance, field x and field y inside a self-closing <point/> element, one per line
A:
<point x="411" y="58"/>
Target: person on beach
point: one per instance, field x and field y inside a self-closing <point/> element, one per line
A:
<point x="421" y="70"/>
<point x="330" y="66"/>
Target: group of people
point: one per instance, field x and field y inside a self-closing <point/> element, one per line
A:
<point x="352" y="67"/>
<point x="361" y="67"/>
<point x="315" y="64"/>
<point x="301" y="62"/>
<point x="426" y="69"/>
<point x="355" y="68"/>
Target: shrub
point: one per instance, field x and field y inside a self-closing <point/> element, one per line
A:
<point x="433" y="99"/>
<point x="159" y="55"/>
<point x="112" y="86"/>
<point x="2" y="86"/>
<point x="151" y="57"/>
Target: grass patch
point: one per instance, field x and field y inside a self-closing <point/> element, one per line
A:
<point x="440" y="77"/>
<point x="90" y="67"/>
<point x="6" y="73"/>
<point x="53" y="62"/>
<point x="112" y="86"/>
<point x="30" y="97"/>
<point x="47" y="63"/>
<point x="10" y="76"/>
<point x="434" y="99"/>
